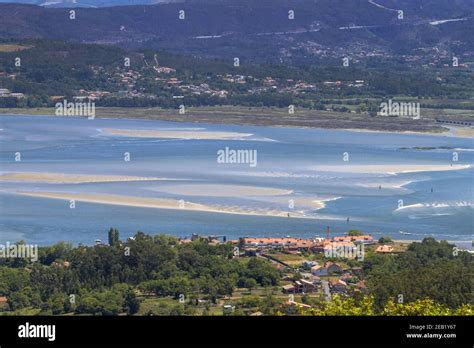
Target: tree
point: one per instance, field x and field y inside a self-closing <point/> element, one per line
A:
<point x="132" y="303"/>
<point x="18" y="300"/>
<point x="57" y="303"/>
<point x="250" y="284"/>
<point x="342" y="307"/>
<point x="113" y="236"/>
<point x="384" y="240"/>
<point x="441" y="275"/>
<point x="355" y="233"/>
<point x="419" y="307"/>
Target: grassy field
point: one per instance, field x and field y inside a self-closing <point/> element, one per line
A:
<point x="290" y="259"/>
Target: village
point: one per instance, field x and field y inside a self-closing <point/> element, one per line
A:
<point x="151" y="80"/>
<point x="313" y="270"/>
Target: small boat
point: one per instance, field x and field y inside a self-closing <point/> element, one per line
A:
<point x="405" y="233"/>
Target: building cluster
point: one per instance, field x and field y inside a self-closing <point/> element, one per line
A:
<point x="204" y="89"/>
<point x="5" y="93"/>
<point x="144" y="81"/>
<point x="11" y="76"/>
<point x="328" y="277"/>
<point x="294" y="245"/>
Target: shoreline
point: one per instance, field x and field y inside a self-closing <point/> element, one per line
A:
<point x="194" y="116"/>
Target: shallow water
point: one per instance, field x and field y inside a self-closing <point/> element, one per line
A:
<point x="288" y="159"/>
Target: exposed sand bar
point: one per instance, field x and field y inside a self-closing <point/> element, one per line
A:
<point x="61" y="178"/>
<point x="176" y="134"/>
<point x="159" y="203"/>
<point x="321" y="203"/>
<point x="389" y="168"/>
<point x="462" y="132"/>
<point x="221" y="190"/>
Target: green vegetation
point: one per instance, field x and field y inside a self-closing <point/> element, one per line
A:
<point x="86" y="67"/>
<point x="385" y="240"/>
<point x="365" y="307"/>
<point x="105" y="279"/>
<point x="354" y="233"/>
<point x="429" y="269"/>
<point x="159" y="275"/>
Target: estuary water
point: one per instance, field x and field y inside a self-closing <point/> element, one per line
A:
<point x="71" y="179"/>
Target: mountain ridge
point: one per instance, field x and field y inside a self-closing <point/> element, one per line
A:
<point x="257" y="31"/>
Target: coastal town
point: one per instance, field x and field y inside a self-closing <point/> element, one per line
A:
<point x="313" y="269"/>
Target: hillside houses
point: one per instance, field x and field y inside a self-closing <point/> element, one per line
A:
<point x="289" y="244"/>
<point x="164" y="70"/>
<point x="364" y="239"/>
<point x="301" y="286"/>
<point x="5" y="93"/>
<point x="319" y="271"/>
<point x="313" y="265"/>
<point x="338" y="286"/>
<point x="329" y="268"/>
<point x="340" y="246"/>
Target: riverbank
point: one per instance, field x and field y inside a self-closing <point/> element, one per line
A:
<point x="276" y="117"/>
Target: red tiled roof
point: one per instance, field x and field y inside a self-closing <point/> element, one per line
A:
<point x="384" y="249"/>
<point x="365" y="238"/>
<point x="300" y="243"/>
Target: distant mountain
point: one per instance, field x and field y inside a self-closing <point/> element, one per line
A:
<point x="261" y="29"/>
